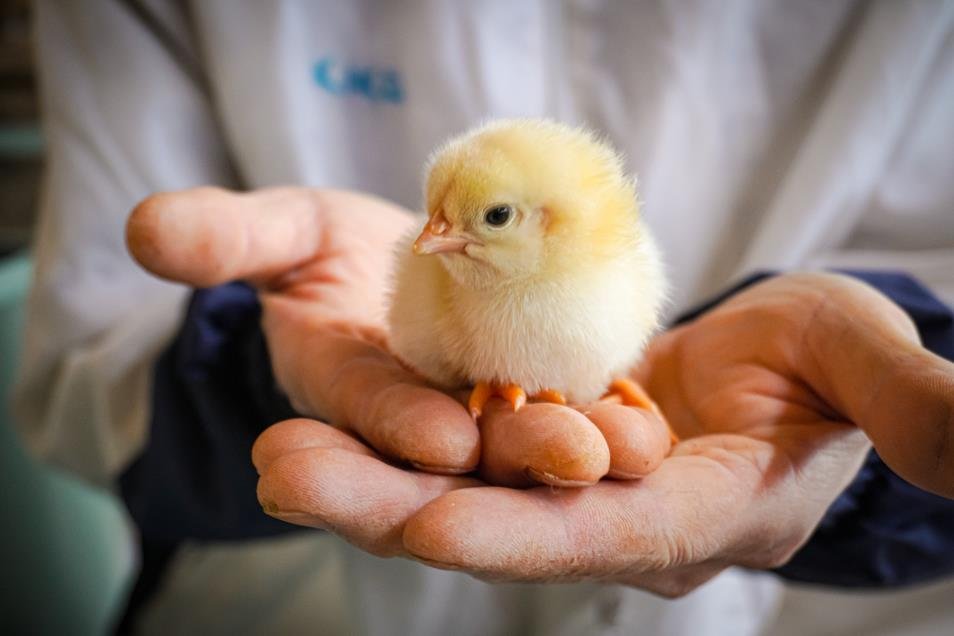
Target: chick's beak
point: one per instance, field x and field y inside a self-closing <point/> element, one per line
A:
<point x="438" y="238"/>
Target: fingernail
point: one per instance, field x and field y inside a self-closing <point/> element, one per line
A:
<point x="549" y="479"/>
<point x="619" y="474"/>
<point x="291" y="516"/>
<point x="296" y="518"/>
<point x="268" y="506"/>
<point x="442" y="470"/>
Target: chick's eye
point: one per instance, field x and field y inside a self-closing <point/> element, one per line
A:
<point x="498" y="216"/>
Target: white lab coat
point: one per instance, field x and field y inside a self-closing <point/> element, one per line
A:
<point x="765" y="135"/>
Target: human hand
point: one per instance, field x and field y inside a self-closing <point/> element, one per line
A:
<point x="320" y="261"/>
<point x="770" y="391"/>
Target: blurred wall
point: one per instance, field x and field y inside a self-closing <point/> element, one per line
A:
<point x="20" y="146"/>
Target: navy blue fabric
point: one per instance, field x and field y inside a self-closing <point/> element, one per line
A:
<point x="882" y="531"/>
<point x="214" y="393"/>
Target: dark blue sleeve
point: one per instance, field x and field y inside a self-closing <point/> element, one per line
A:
<point x="882" y="531"/>
<point x="212" y="394"/>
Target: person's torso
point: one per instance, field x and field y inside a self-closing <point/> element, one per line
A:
<point x="763" y="135"/>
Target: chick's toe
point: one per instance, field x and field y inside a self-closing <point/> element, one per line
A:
<point x="629" y="392"/>
<point x="484" y="391"/>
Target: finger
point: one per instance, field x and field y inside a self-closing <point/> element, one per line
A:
<point x="866" y="360"/>
<point x="719" y="499"/>
<point x="541" y="443"/>
<point x="682" y="513"/>
<point x="297" y="434"/>
<point x="208" y="236"/>
<point x="638" y="440"/>
<point x="363" y="388"/>
<point x="358" y="497"/>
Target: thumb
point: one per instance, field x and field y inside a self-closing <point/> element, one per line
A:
<point x="910" y="420"/>
<point x="872" y="368"/>
<point x="207" y="236"/>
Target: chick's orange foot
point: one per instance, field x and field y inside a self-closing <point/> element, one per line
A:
<point x="631" y="393"/>
<point x="549" y="395"/>
<point x="513" y="393"/>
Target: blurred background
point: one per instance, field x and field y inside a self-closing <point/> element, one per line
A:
<point x="20" y="147"/>
<point x="65" y="550"/>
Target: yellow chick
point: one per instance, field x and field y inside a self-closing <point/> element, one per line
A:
<point x="534" y="274"/>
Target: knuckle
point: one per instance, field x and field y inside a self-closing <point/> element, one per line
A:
<point x="933" y="458"/>
<point x="926" y="459"/>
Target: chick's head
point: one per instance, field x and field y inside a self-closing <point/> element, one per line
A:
<point x="526" y="198"/>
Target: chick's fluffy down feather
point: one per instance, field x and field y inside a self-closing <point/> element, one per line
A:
<point x="573" y="336"/>
<point x="570" y="329"/>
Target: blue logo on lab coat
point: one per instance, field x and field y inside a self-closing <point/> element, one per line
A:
<point x="373" y="83"/>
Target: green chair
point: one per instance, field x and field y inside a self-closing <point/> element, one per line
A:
<point x="64" y="547"/>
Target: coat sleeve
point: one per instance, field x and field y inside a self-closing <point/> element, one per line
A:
<point x="881" y="531"/>
<point x="121" y="120"/>
<point x="213" y="394"/>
